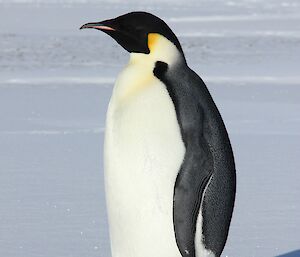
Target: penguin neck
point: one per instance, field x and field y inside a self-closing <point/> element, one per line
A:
<point x="138" y="75"/>
<point x="161" y="49"/>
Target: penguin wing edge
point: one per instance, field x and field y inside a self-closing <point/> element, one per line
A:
<point x="191" y="181"/>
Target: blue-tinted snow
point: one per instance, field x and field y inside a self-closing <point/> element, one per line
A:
<point x="55" y="83"/>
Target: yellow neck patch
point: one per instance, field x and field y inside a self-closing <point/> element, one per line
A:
<point x="138" y="74"/>
<point x="152" y="40"/>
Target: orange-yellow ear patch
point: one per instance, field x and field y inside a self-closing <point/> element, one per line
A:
<point x="152" y="40"/>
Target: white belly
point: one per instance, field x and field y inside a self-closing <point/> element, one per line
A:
<point x="143" y="154"/>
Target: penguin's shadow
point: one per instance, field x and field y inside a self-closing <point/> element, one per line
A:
<point x="290" y="254"/>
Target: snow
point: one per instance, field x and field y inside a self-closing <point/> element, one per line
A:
<point x="55" y="83"/>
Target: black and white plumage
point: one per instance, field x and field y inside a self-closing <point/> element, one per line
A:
<point x="169" y="167"/>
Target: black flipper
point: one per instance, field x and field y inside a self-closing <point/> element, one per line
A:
<point x="208" y="151"/>
<point x="189" y="187"/>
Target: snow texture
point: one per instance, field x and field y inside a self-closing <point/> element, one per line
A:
<point x="55" y="84"/>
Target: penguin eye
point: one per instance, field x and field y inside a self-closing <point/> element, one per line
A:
<point x="135" y="30"/>
<point x="139" y="28"/>
<point x="139" y="31"/>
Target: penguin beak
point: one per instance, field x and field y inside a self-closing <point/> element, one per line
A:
<point x="130" y="39"/>
<point x="98" y="25"/>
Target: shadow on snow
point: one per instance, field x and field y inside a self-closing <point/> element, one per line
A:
<point x="291" y="254"/>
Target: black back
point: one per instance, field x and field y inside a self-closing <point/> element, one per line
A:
<point x="208" y="156"/>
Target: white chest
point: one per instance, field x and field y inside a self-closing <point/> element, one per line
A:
<point x="143" y="154"/>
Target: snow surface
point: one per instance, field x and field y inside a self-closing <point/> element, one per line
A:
<point x="55" y="83"/>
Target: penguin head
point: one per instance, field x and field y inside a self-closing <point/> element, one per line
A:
<point x="142" y="33"/>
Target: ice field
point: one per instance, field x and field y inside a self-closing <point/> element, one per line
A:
<point x="55" y="84"/>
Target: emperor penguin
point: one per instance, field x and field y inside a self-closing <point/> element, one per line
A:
<point x="168" y="163"/>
